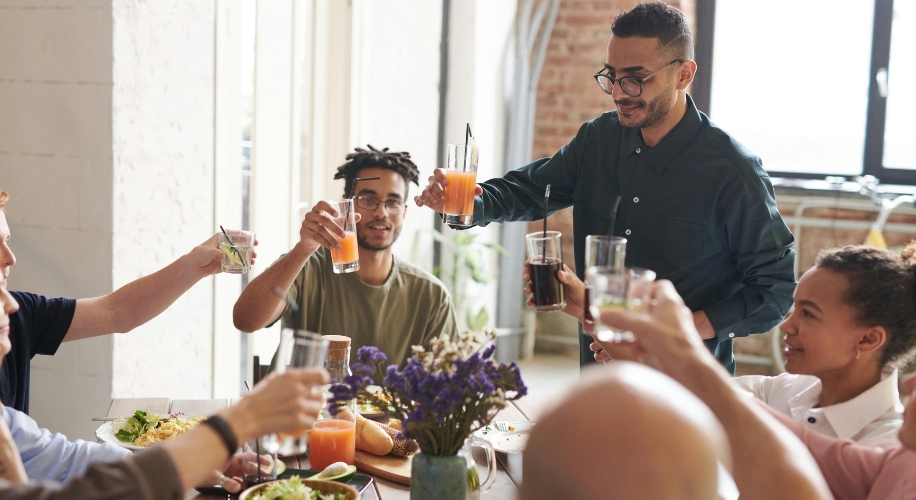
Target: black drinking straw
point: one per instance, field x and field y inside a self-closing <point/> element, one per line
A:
<point x="232" y="246"/>
<point x="544" y="246"/>
<point x="353" y="191"/>
<point x="257" y="441"/>
<point x="610" y="232"/>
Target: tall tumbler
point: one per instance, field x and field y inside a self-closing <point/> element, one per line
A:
<point x="461" y="173"/>
<point x="604" y="251"/>
<point x="545" y="259"/>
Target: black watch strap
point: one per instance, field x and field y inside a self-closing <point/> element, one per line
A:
<point x="222" y="428"/>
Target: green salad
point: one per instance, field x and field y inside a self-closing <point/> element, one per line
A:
<point x="137" y="425"/>
<point x="293" y="489"/>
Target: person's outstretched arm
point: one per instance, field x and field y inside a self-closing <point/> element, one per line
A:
<point x="280" y="403"/>
<point x="769" y="461"/>
<point x="142" y="300"/>
<point x="258" y="305"/>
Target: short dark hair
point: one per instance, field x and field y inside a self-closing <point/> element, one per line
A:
<point x="657" y="20"/>
<point x="882" y="289"/>
<point x="399" y="162"/>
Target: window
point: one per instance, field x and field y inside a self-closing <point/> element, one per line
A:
<point x="818" y="89"/>
<point x="899" y="132"/>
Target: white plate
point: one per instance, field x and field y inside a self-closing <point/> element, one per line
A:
<point x="106" y="433"/>
<point x="512" y="441"/>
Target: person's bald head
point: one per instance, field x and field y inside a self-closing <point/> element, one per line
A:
<point x="625" y="431"/>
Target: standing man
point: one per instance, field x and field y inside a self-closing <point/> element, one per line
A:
<point x="696" y="206"/>
<point x="387" y="303"/>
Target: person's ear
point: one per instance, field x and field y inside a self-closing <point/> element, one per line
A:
<point x="685" y="77"/>
<point x="873" y="339"/>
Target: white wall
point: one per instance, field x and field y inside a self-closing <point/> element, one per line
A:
<point x="55" y="161"/>
<point x="107" y="146"/>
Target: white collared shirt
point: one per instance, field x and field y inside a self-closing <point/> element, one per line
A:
<point x="871" y="417"/>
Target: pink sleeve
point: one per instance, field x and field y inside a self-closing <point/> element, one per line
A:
<point x="849" y="468"/>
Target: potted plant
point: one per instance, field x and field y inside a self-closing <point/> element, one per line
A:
<point x="442" y="396"/>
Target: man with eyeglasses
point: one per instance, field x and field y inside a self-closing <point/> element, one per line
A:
<point x="387" y="303"/>
<point x="696" y="206"/>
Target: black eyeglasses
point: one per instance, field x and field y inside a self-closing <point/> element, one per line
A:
<point x="631" y="85"/>
<point x="393" y="207"/>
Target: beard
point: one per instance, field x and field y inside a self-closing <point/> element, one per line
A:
<point x="655" y="110"/>
<point x="362" y="239"/>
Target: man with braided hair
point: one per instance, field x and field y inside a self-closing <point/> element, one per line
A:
<point x="388" y="303"/>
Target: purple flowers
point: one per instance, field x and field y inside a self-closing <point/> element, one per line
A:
<point x="442" y="395"/>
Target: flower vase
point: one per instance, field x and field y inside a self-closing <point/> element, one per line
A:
<point x="453" y="477"/>
<point x="438" y="478"/>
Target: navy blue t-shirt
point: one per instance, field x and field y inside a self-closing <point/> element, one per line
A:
<point x="38" y="327"/>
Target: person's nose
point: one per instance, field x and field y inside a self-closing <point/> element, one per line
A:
<point x="7" y="258"/>
<point x="788" y="324"/>
<point x="380" y="211"/>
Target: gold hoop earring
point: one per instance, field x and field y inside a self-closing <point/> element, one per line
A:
<point x="858" y="352"/>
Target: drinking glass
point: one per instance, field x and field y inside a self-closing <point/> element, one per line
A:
<point x="346" y="259"/>
<point x="601" y="250"/>
<point x="639" y="292"/>
<point x="237" y="252"/>
<point x="461" y="173"/>
<point x="298" y="349"/>
<point x="259" y="461"/>
<point x="607" y="290"/>
<point x="631" y="290"/>
<point x="334" y="437"/>
<point x="545" y="259"/>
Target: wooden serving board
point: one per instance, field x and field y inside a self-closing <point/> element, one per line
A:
<point x="390" y="467"/>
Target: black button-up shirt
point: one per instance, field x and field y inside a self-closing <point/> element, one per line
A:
<point x="697" y="208"/>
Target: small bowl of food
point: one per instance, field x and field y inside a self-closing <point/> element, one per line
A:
<point x="296" y="488"/>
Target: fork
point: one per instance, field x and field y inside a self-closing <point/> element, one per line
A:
<point x="501" y="426"/>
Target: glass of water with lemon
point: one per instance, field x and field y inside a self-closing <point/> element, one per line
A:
<point x="236" y="246"/>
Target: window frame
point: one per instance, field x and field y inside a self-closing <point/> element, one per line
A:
<point x="873" y="157"/>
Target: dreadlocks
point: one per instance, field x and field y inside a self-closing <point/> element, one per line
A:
<point x="373" y="158"/>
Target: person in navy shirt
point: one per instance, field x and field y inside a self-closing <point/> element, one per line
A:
<point x="42" y="323"/>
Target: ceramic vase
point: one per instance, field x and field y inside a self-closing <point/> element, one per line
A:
<point x="438" y="478"/>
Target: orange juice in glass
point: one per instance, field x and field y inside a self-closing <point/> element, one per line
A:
<point x="332" y="440"/>
<point x="461" y="173"/>
<point x="346" y="259"/>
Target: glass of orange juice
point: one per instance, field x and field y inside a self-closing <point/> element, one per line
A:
<point x="345" y="259"/>
<point x="298" y="349"/>
<point x="334" y="437"/>
<point x="461" y="173"/>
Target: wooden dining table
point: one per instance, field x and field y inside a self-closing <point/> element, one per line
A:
<point x="509" y="466"/>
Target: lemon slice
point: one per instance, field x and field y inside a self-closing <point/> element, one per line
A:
<point x="233" y="255"/>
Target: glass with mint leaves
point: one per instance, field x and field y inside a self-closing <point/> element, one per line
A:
<point x="442" y="395"/>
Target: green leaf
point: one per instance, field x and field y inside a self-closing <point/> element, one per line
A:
<point x="496" y="247"/>
<point x="476" y="323"/>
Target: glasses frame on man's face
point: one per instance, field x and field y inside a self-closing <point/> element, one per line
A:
<point x="626" y="81"/>
<point x="371" y="203"/>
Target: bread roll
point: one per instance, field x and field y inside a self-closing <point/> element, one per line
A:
<point x="371" y="438"/>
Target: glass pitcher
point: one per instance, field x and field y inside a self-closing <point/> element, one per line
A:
<point x="475" y="486"/>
